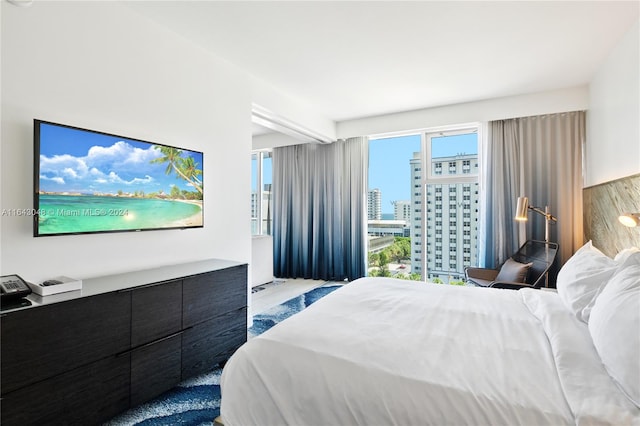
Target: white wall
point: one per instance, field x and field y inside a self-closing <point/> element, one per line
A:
<point x="613" y="120"/>
<point x="262" y="255"/>
<point x="99" y="65"/>
<point x="571" y="99"/>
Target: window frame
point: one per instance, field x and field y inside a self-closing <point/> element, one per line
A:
<point x="432" y="176"/>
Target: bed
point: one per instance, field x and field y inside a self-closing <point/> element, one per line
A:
<point x="382" y="351"/>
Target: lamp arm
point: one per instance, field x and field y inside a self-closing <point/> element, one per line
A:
<point x="548" y="216"/>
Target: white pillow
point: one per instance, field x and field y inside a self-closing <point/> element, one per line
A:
<point x="581" y="279"/>
<point x="614" y="326"/>
<point x="624" y="254"/>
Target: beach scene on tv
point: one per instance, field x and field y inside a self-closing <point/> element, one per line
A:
<point x="93" y="182"/>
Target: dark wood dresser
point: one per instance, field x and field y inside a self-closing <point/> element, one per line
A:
<point x="83" y="357"/>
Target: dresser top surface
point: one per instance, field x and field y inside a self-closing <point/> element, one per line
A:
<point x="127" y="280"/>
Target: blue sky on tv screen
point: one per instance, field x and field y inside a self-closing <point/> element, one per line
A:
<point x="82" y="161"/>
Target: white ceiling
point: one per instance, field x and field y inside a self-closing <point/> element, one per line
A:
<point x="352" y="59"/>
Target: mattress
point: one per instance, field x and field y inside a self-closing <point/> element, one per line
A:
<point x="382" y="351"/>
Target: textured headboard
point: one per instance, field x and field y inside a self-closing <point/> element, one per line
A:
<point x="602" y="205"/>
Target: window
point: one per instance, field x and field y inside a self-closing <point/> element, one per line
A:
<point x="396" y="172"/>
<point x="439" y="170"/>
<point x="261" y="178"/>
<point x="456" y="152"/>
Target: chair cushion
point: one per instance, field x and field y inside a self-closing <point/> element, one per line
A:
<point x="513" y="271"/>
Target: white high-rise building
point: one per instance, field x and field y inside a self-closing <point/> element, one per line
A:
<point x="402" y="210"/>
<point x="416" y="213"/>
<point x="449" y="239"/>
<point x="374" y="204"/>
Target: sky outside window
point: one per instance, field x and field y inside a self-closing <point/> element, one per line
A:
<point x="389" y="168"/>
<point x="267" y="171"/>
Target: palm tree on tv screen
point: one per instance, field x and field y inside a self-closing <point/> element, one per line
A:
<point x="186" y="168"/>
<point x="190" y="170"/>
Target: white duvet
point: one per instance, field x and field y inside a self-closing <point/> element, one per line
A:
<point x="381" y="351"/>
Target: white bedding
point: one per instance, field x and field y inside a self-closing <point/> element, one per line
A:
<point x="381" y="351"/>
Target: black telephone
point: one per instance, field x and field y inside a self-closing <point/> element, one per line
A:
<point x="13" y="287"/>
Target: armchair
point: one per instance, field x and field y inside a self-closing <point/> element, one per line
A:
<point x="528" y="267"/>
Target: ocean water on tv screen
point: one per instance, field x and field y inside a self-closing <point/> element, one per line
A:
<point x="61" y="214"/>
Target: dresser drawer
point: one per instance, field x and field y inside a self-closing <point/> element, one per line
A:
<point x="212" y="342"/>
<point x="208" y="295"/>
<point x="49" y="340"/>
<point x="156" y="312"/>
<point x="88" y="395"/>
<point x="155" y="368"/>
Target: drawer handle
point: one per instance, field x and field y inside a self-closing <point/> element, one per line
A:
<point x="146" y="345"/>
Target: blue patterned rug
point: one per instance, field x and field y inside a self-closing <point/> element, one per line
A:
<point x="197" y="401"/>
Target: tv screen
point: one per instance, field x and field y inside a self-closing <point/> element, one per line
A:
<point x="88" y="181"/>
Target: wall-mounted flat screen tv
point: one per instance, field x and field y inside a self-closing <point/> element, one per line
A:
<point x="88" y="181"/>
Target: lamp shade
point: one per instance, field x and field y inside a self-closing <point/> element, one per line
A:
<point x="630" y="219"/>
<point x="521" y="209"/>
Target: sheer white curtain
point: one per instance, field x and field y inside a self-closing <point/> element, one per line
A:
<point x="319" y="203"/>
<point x="502" y="181"/>
<point x="539" y="157"/>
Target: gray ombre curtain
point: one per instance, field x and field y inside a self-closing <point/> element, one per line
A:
<point x="539" y="157"/>
<point x="319" y="204"/>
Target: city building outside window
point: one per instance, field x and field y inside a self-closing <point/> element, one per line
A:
<point x="261" y="198"/>
<point x="458" y="150"/>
